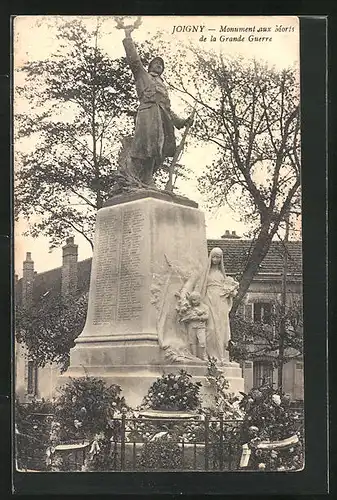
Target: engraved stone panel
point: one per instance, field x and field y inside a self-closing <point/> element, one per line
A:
<point x="131" y="279"/>
<point x="106" y="280"/>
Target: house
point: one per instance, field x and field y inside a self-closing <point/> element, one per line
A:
<point x="73" y="278"/>
<point x="263" y="292"/>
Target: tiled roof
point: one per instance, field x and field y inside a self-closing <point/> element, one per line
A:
<point x="236" y="252"/>
<point x="50" y="281"/>
<point x="235" y="256"/>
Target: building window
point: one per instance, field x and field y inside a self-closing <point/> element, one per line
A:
<point x="32" y="378"/>
<point x="262" y="312"/>
<point x="262" y="373"/>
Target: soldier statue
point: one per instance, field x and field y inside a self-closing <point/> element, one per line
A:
<point x="154" y="138"/>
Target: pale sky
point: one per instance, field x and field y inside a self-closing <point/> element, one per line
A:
<point x="34" y="39"/>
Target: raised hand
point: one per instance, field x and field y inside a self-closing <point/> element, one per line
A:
<point x="127" y="28"/>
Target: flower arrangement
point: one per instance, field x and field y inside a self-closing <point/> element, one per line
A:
<point x="271" y="430"/>
<point x="225" y="403"/>
<point x="84" y="407"/>
<point x="174" y="392"/>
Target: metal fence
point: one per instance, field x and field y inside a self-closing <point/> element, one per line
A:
<point x="31" y="443"/>
<point x="27" y="458"/>
<point x="172" y="444"/>
<point x="162" y="444"/>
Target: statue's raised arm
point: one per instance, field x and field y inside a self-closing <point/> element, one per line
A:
<point x="132" y="55"/>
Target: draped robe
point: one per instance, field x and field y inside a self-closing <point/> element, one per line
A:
<point x="216" y="290"/>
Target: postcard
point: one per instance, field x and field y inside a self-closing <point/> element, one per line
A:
<point x="158" y="244"/>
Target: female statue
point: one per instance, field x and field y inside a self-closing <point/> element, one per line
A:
<point x="217" y="291"/>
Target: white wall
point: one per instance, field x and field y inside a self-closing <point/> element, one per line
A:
<point x="46" y="377"/>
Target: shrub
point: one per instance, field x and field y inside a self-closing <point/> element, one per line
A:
<point x="225" y="403"/>
<point x="269" y="418"/>
<point x="174" y="392"/>
<point x="32" y="428"/>
<point x="161" y="454"/>
<point x="84" y="407"/>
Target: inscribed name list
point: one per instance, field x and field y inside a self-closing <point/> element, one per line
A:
<point x="106" y="279"/>
<point x="119" y="280"/>
<point x="130" y="278"/>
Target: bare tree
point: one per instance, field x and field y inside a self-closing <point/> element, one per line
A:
<point x="250" y="112"/>
<point x="281" y="336"/>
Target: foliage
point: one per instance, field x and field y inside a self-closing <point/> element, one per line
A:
<point x="82" y="104"/>
<point x="174" y="392"/>
<point x="252" y="340"/>
<point x="32" y="428"/>
<point x="161" y="454"/>
<point x="72" y="168"/>
<point x="161" y="176"/>
<point x="225" y="403"/>
<point x="250" y="113"/>
<point x="269" y="418"/>
<point x="104" y="458"/>
<point x="49" y="327"/>
<point x="85" y="406"/>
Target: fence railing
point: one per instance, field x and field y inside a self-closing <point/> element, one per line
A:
<point x="31" y="440"/>
<point x="161" y="444"/>
<point x="172" y="444"/>
<point x="142" y="444"/>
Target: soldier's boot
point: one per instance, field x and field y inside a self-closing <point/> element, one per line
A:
<point x="147" y="174"/>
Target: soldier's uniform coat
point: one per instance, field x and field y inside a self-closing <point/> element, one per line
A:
<point x="154" y="131"/>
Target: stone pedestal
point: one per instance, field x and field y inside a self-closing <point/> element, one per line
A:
<point x="137" y="239"/>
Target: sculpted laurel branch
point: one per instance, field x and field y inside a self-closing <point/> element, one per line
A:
<point x="119" y="20"/>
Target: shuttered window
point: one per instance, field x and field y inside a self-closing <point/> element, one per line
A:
<point x="248" y="312"/>
<point x="262" y="373"/>
<point x="32" y="378"/>
<point x="262" y="312"/>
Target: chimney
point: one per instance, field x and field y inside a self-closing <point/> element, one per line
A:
<point x="230" y="235"/>
<point x="27" y="281"/>
<point x="69" y="267"/>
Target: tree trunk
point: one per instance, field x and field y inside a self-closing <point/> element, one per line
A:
<point x="259" y="252"/>
<point x="282" y="332"/>
<point x="99" y="201"/>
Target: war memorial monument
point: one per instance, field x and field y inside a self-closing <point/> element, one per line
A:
<point x="157" y="302"/>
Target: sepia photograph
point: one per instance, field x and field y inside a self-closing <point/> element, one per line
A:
<point x="158" y="244"/>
